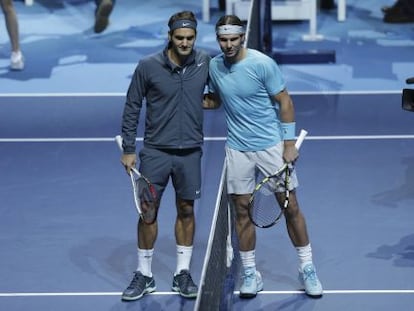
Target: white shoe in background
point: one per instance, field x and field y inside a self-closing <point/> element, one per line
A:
<point x="17" y="61"/>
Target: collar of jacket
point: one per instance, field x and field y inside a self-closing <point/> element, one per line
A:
<point x="189" y="60"/>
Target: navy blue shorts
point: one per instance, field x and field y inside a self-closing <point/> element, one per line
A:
<point x="182" y="165"/>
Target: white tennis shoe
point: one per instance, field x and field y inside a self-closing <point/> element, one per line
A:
<point x="17" y="61"/>
<point x="251" y="283"/>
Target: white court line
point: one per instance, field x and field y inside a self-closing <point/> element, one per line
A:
<point x="346" y="291"/>
<point x="284" y="292"/>
<point x="62" y="94"/>
<point x="356" y="137"/>
<point x="79" y="139"/>
<point x="384" y="92"/>
<point x="120" y="94"/>
<point x="76" y="294"/>
<point x="218" y="138"/>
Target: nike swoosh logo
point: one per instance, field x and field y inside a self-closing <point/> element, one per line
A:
<point x="200" y="64"/>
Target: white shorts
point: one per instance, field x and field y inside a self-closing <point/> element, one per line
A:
<point x="243" y="165"/>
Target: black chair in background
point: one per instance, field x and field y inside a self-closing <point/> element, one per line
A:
<point x="408" y="96"/>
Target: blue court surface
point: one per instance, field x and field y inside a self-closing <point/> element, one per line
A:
<point x="67" y="223"/>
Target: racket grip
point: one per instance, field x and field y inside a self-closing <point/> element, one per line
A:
<point x="118" y="140"/>
<point x="301" y="138"/>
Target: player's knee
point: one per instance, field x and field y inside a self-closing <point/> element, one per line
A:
<point x="293" y="210"/>
<point x="185" y="210"/>
<point x="242" y="213"/>
<point x="186" y="214"/>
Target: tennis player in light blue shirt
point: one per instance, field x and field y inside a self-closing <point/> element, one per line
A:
<point x="245" y="89"/>
<point x="261" y="136"/>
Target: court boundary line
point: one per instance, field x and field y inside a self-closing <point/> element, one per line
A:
<point x="218" y="138"/>
<point x="280" y="292"/>
<point x="123" y="94"/>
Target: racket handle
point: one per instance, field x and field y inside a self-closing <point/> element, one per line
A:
<point x="301" y="138"/>
<point x="118" y="140"/>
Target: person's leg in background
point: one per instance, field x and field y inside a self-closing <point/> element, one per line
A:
<point x="401" y="12"/>
<point x="102" y="13"/>
<point x="12" y="26"/>
<point x="386" y="8"/>
<point x="326" y="4"/>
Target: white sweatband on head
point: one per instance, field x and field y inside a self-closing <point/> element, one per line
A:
<point x="230" y="30"/>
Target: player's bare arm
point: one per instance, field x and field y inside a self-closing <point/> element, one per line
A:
<point x="287" y="115"/>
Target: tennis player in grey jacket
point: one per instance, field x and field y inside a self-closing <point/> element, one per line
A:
<point x="172" y="84"/>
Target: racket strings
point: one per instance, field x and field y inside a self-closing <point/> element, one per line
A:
<point x="148" y="199"/>
<point x="264" y="207"/>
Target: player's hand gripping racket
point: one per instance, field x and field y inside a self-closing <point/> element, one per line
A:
<point x="264" y="209"/>
<point x="145" y="194"/>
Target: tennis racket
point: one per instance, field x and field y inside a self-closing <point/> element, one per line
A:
<point x="145" y="194"/>
<point x="264" y="209"/>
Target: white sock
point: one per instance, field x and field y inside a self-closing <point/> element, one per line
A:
<point x="184" y="254"/>
<point x="248" y="259"/>
<point x="145" y="261"/>
<point x="305" y="255"/>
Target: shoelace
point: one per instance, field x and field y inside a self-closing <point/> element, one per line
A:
<point x="138" y="281"/>
<point x="185" y="280"/>
<point x="310" y="275"/>
<point x="248" y="277"/>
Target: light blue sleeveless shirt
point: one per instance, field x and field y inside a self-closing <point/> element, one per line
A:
<point x="245" y="89"/>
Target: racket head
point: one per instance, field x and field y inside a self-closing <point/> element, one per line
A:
<point x="145" y="196"/>
<point x="263" y="207"/>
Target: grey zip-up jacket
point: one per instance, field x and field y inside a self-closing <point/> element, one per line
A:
<point x="173" y="96"/>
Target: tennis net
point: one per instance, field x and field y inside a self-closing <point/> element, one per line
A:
<point x="221" y="262"/>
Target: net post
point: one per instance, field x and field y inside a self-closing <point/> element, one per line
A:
<point x="267" y="35"/>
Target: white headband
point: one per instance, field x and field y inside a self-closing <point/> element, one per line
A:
<point x="230" y="30"/>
